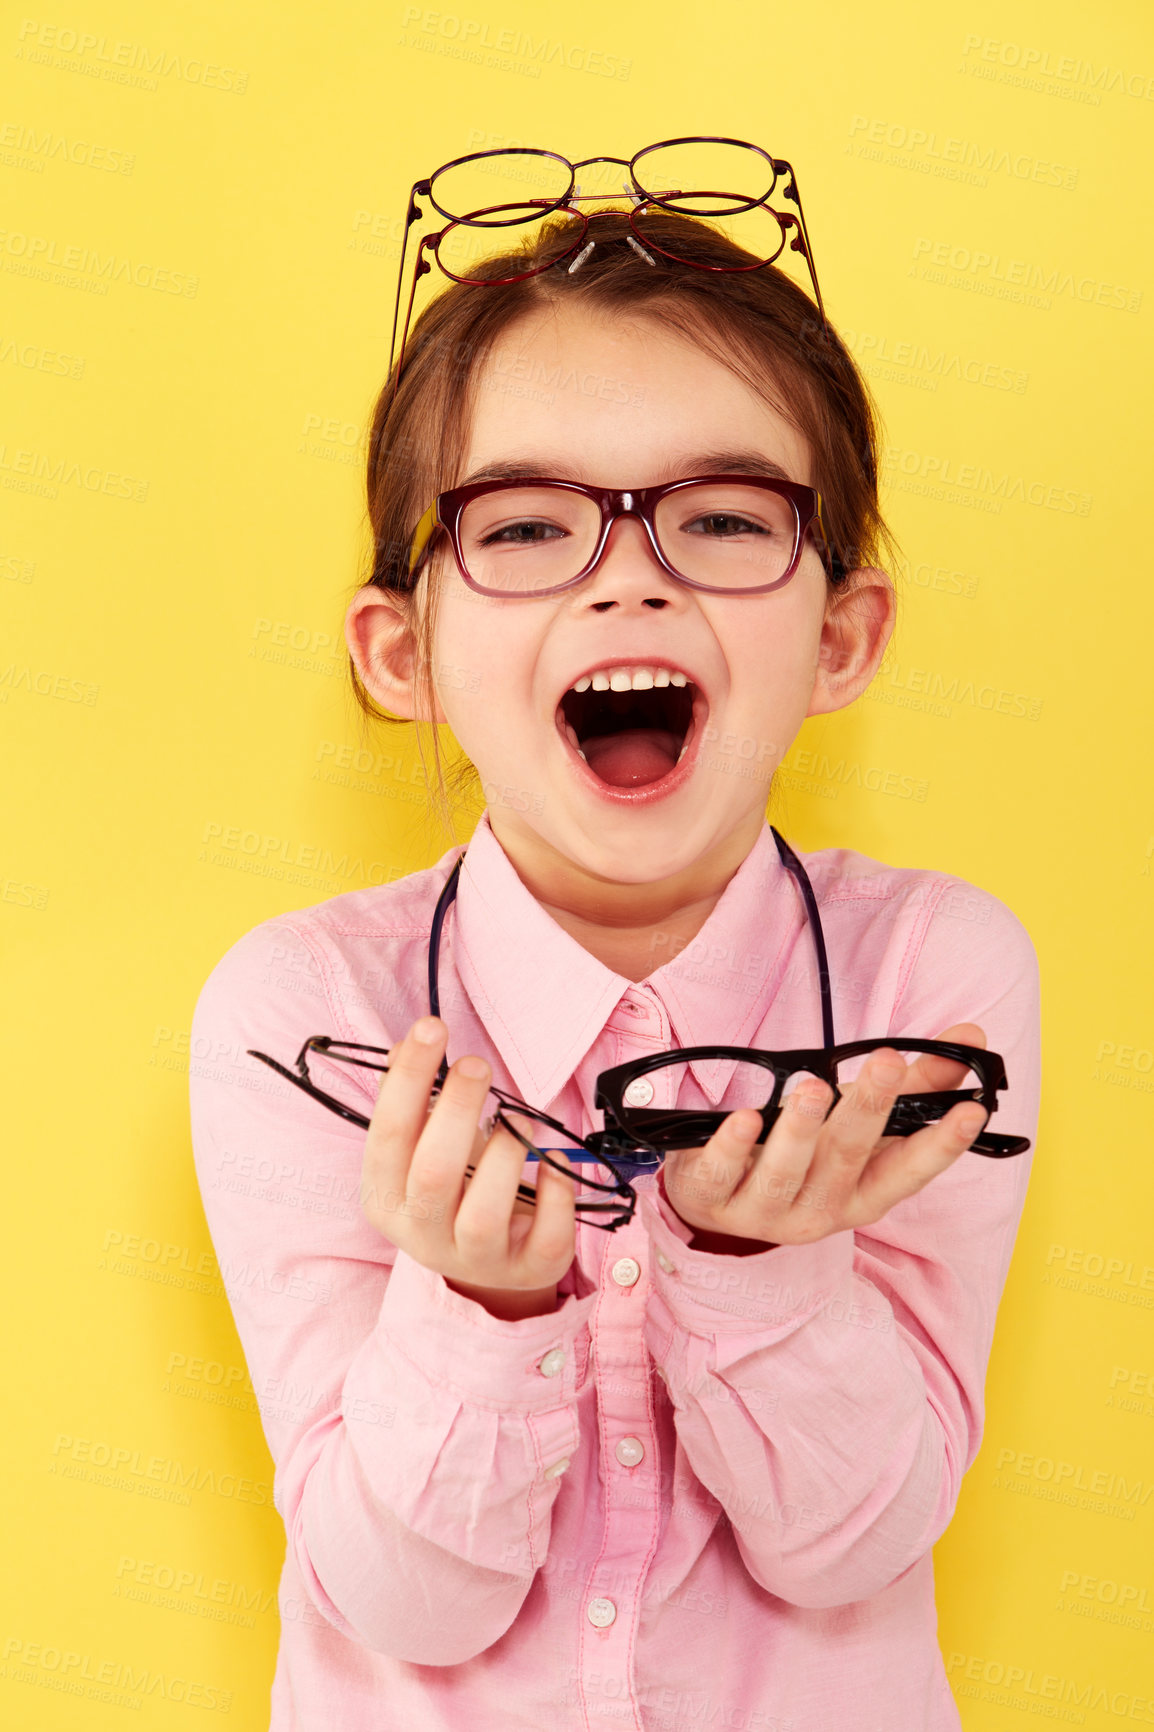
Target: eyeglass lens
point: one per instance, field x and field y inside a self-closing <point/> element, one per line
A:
<point x="705" y="177"/>
<point x="517" y="181"/>
<point x="531" y="540"/>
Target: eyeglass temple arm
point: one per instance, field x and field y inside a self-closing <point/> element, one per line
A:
<point x="793" y="865"/>
<point x="310" y="1089"/>
<point x="422" y="535"/>
<point x="800" y="243"/>
<point x="420" y="189"/>
<point x="836" y="564"/>
<point x="444" y="902"/>
<point x="421" y="268"/>
<point x="788" y="859"/>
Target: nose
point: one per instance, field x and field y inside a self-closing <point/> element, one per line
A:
<point x="628" y="575"/>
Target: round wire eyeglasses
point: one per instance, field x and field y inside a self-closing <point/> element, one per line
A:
<point x="493" y="190"/>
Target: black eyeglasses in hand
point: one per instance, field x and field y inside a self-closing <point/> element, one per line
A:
<point x="376" y="1059"/>
<point x="638" y="1098"/>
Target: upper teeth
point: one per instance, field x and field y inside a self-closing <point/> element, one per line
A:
<point x="630" y="679"/>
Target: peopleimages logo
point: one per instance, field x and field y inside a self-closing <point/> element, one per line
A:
<point x="121" y="62"/>
<point x="875" y="351"/>
<point x="1031" y="66"/>
<point x="1022" y="275"/>
<point x="470" y="36"/>
<point x="998" y="485"/>
<point x="274" y="852"/>
<point x="37" y="148"/>
<point x="1049" y="1694"/>
<point x="954" y="158"/>
<point x="55" y="472"/>
<point x="29" y="254"/>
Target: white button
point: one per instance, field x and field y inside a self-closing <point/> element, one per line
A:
<point x="639" y="1093"/>
<point x="601" y="1613"/>
<point x="626" y="1272"/>
<point x="630" y="1451"/>
<point x="557" y="1467"/>
<point x="552" y="1362"/>
<point x="664" y="1263"/>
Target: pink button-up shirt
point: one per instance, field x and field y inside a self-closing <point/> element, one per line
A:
<point x="702" y="1493"/>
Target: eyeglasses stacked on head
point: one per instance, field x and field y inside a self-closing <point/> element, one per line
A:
<point x="723" y="181"/>
<point x="677" y="1100"/>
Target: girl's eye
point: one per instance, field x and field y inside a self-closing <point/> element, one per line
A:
<point x="522" y="532"/>
<point x="723" y="524"/>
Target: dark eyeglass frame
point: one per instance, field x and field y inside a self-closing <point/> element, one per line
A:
<point x="618" y="1147"/>
<point x="641" y="502"/>
<point x="688" y="1127"/>
<point x="345" y="1051"/>
<point x="535" y="210"/>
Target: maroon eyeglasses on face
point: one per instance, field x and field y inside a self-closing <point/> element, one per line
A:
<point x="730" y="534"/>
<point x="499" y="189"/>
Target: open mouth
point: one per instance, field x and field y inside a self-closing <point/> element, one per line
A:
<point x="631" y="724"/>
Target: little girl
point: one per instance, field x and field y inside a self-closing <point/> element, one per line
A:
<point x="686" y="1473"/>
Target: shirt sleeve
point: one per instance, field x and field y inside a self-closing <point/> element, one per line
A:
<point x="831" y="1396"/>
<point x="418" y="1441"/>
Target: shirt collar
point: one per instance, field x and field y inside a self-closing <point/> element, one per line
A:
<point x="718" y="988"/>
<point x="541" y="996"/>
<point x="544" y="999"/>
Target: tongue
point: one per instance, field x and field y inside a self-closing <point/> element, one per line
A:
<point x="632" y="758"/>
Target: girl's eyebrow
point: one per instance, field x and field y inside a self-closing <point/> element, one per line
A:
<point x="515" y="471"/>
<point x="737" y="463"/>
<point x="706" y="463"/>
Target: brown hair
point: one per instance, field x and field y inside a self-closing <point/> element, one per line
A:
<point x="756" y="322"/>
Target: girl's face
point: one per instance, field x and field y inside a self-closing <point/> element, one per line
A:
<point x="625" y="403"/>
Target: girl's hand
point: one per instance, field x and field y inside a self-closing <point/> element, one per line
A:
<point x="816" y="1176"/>
<point x="475" y="1231"/>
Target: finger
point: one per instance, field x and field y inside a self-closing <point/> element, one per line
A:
<point x="402" y="1105"/>
<point x="447" y="1143"/>
<point x="906" y="1165"/>
<point x="532" y="1128"/>
<point x="851" y="1132"/>
<point x="482" y="1226"/>
<point x="529" y="1128"/>
<point x="706" y="1178"/>
<point x="779" y="1176"/>
<point x="929" y="1071"/>
<point x="480" y="1137"/>
<point x="549" y="1239"/>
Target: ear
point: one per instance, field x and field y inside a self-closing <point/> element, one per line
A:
<point x="859" y="620"/>
<point x="378" y="631"/>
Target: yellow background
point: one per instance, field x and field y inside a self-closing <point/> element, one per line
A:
<point x="172" y="671"/>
